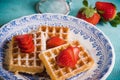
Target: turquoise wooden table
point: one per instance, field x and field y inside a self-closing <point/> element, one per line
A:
<point x="12" y="9"/>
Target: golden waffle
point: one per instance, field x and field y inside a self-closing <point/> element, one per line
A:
<point x="49" y="31"/>
<point x="23" y="62"/>
<point x="84" y="63"/>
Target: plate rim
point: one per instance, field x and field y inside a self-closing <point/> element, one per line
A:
<point x="105" y="36"/>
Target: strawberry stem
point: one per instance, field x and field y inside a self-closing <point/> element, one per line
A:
<point x="88" y="11"/>
<point x="85" y="3"/>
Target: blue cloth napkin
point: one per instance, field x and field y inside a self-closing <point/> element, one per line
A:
<point x="12" y="9"/>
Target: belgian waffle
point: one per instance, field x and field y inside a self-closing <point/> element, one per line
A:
<point x="49" y="31"/>
<point x="84" y="62"/>
<point x="23" y="62"/>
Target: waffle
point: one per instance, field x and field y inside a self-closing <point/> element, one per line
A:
<point x="23" y="62"/>
<point x="30" y="63"/>
<point x="84" y="62"/>
<point x="49" y="31"/>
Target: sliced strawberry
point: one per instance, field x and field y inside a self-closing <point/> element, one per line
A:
<point x="27" y="46"/>
<point x="30" y="50"/>
<point x="66" y="58"/>
<point x="106" y="9"/>
<point x="24" y="39"/>
<point x="29" y="40"/>
<point x="25" y="43"/>
<point x="76" y="53"/>
<point x="54" y="41"/>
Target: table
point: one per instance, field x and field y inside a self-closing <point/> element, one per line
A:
<point x="12" y="9"/>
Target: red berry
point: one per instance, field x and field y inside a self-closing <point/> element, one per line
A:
<point x="26" y="46"/>
<point x="30" y="50"/>
<point x="54" y="41"/>
<point x="25" y="43"/>
<point x="106" y="9"/>
<point x="21" y="38"/>
<point x="76" y="53"/>
<point x="93" y="20"/>
<point x="68" y="57"/>
<point x="88" y="13"/>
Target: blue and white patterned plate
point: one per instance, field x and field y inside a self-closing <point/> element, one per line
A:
<point x="95" y="42"/>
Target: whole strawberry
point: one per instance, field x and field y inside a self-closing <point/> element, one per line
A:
<point x="88" y="14"/>
<point x="108" y="12"/>
<point x="106" y="9"/>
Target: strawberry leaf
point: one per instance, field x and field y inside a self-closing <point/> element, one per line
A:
<point x="88" y="11"/>
<point x="116" y="20"/>
<point x="118" y="14"/>
<point x="102" y="20"/>
<point x="85" y="3"/>
<point x="113" y="23"/>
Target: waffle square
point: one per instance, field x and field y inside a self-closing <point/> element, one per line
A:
<point x="23" y="62"/>
<point x="49" y="31"/>
<point x="84" y="62"/>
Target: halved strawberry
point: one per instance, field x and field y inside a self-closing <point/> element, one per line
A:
<point x="54" y="41"/>
<point x="66" y="58"/>
<point x="106" y="9"/>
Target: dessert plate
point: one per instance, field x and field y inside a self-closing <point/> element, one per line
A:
<point x="93" y="40"/>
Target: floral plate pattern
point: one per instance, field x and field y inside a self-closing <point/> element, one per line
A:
<point x="94" y="40"/>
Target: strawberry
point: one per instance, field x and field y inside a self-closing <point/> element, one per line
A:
<point x="76" y="53"/>
<point x="54" y="41"/>
<point x="21" y="38"/>
<point x="27" y="50"/>
<point x="24" y="39"/>
<point x="27" y="46"/>
<point x="106" y="9"/>
<point x="25" y="43"/>
<point x="93" y="20"/>
<point x="88" y="14"/>
<point x="68" y="57"/>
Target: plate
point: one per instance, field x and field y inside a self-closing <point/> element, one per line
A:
<point x="94" y="41"/>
